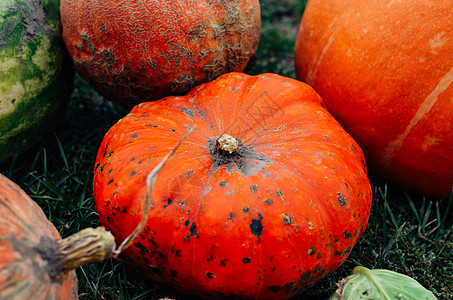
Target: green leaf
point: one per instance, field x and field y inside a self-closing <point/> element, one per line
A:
<point x="378" y="284"/>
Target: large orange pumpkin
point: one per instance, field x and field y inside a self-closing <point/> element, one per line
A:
<point x="268" y="195"/>
<point x="144" y="50"/>
<point x="385" y="72"/>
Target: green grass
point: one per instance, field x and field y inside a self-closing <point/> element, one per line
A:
<point x="407" y="233"/>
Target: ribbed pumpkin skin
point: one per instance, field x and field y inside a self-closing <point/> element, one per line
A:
<point x="385" y="72"/>
<point x="145" y="50"/>
<point x="269" y="220"/>
<point x="24" y="231"/>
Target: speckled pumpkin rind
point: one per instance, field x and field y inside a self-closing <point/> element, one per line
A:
<point x="36" y="75"/>
<point x="24" y="233"/>
<point x="267" y="221"/>
<point x="147" y="50"/>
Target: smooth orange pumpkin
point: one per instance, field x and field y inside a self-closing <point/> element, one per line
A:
<point x="385" y="72"/>
<point x="145" y="50"/>
<point x="268" y="195"/>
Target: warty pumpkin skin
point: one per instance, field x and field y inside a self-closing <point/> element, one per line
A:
<point x="26" y="236"/>
<point x="385" y="71"/>
<point x="267" y="220"/>
<point x="145" y="50"/>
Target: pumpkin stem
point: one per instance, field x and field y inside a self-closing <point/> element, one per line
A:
<point x="98" y="244"/>
<point x="227" y="144"/>
<point x="85" y="246"/>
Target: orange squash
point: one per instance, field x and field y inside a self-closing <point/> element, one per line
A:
<point x="385" y="72"/>
<point x="26" y="240"/>
<point x="144" y="50"/>
<point x="267" y="196"/>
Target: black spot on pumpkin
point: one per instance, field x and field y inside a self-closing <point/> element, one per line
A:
<point x="223" y="262"/>
<point x="110" y="182"/>
<point x="173" y="273"/>
<point x="146" y="230"/>
<point x="318" y="256"/>
<point x="256" y="227"/>
<point x="223" y="184"/>
<point x="268" y="201"/>
<point x="287" y="219"/>
<point x="132" y="173"/>
<point x="254" y="188"/>
<point x="187" y="223"/>
<point x="260" y="216"/>
<point x="274" y="288"/>
<point x="169" y="201"/>
<point x="178" y="252"/>
<point x="245" y="209"/>
<point x="102" y="168"/>
<point x="232" y="216"/>
<point x="347" y="234"/>
<point x="342" y="254"/>
<point x="193" y="229"/>
<point x="135" y="136"/>
<point x="110" y="154"/>
<point x="353" y="148"/>
<point x="312" y="250"/>
<point x="246" y="260"/>
<point x="342" y="199"/>
<point x="142" y="249"/>
<point x="209" y="275"/>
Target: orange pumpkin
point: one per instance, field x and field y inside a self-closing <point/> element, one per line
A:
<point x="266" y="197"/>
<point x="26" y="240"/>
<point x="145" y="50"/>
<point x="385" y="72"/>
<point x="35" y="262"/>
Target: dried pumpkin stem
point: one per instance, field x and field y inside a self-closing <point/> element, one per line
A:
<point x="85" y="246"/>
<point x="227" y="144"/>
<point x="98" y="244"/>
